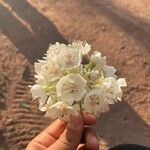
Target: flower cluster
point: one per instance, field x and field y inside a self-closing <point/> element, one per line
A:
<point x="65" y="86"/>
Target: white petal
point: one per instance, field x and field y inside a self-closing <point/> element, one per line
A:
<point x="95" y="103"/>
<point x="70" y="57"/>
<point x="109" y="71"/>
<point x="82" y="46"/>
<point x="68" y="98"/>
<point x="55" y="48"/>
<point x="42" y="107"/>
<point x="60" y="110"/>
<point x="38" y="65"/>
<point x="99" y="61"/>
<point x="95" y="56"/>
<point x="51" y="71"/>
<point x="53" y="113"/>
<point x="40" y="79"/>
<point x="38" y="92"/>
<point x="71" y="88"/>
<point x="47" y="105"/>
<point x="118" y="93"/>
<point x="122" y="82"/>
<point x="108" y="82"/>
<point x="78" y="79"/>
<point x="113" y="87"/>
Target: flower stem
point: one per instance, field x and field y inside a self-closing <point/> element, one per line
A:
<point x="80" y="105"/>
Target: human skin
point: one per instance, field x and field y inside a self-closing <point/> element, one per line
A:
<point x="75" y="135"/>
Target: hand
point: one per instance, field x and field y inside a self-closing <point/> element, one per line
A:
<point x="67" y="136"/>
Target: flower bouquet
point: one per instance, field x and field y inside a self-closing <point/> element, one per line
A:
<point x="66" y="86"/>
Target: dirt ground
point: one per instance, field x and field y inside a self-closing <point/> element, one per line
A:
<point x="120" y="29"/>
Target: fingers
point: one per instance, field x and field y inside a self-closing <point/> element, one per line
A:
<point x="70" y="138"/>
<point x="50" y="134"/>
<point x="91" y="140"/>
<point x="71" y="135"/>
<point x="35" y="146"/>
<point x="89" y="119"/>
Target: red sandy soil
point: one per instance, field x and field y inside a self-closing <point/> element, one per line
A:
<point x="120" y="29"/>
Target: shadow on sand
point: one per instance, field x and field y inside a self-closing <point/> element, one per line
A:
<point x="134" y="26"/>
<point x="121" y="125"/>
<point x="32" y="44"/>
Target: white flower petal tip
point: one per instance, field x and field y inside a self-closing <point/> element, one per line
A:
<point x="82" y="46"/>
<point x="55" y="48"/>
<point x="98" y="61"/>
<point x="38" y="92"/>
<point x="109" y="71"/>
<point x="122" y="82"/>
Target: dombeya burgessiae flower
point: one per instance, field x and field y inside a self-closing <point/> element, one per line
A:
<point x="64" y="86"/>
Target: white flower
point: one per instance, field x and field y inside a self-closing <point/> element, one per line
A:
<point x="122" y="82"/>
<point x="82" y="46"/>
<point x="109" y="71"/>
<point x="51" y="71"/>
<point x="47" y="70"/>
<point x="113" y="87"/>
<point x="98" y="100"/>
<point x="38" y="92"/>
<point x="70" y="57"/>
<point x="60" y="110"/>
<point x="64" y="86"/>
<point x="98" y="61"/>
<point x="71" y="88"/>
<point x="94" y="102"/>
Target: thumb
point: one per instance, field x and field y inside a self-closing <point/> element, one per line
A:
<point x="70" y="138"/>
